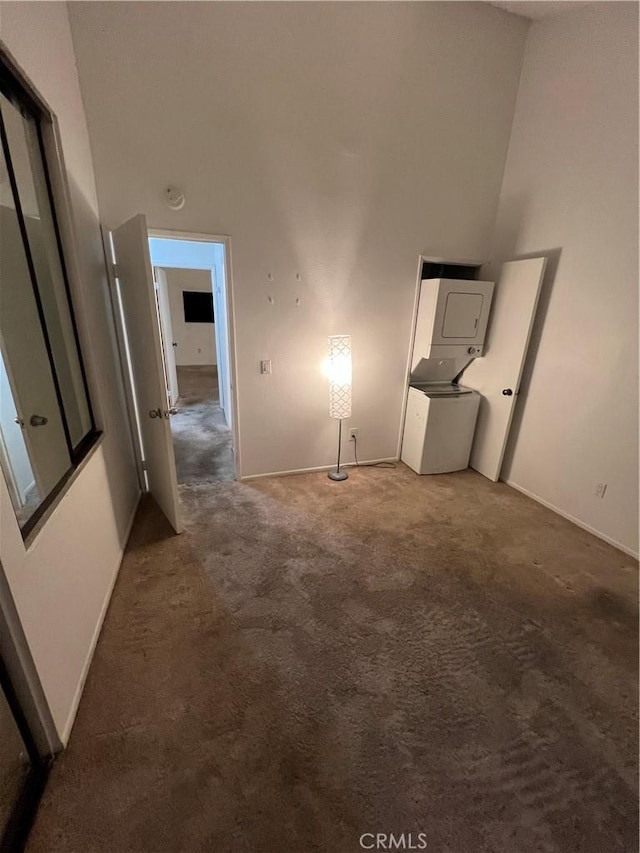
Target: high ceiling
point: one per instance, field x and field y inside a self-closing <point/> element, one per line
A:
<point x="541" y="9"/>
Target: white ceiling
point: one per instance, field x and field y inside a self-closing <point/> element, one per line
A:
<point x="540" y="9"/>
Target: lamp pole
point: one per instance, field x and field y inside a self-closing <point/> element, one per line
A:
<point x="338" y="474"/>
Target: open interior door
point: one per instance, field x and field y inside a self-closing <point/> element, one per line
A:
<point x="137" y="296"/>
<point x="497" y="375"/>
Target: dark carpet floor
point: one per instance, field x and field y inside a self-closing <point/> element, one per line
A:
<point x="311" y="661"/>
<point x="202" y="441"/>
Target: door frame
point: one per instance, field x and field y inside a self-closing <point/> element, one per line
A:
<point x="225" y="240"/>
<point x="28" y="797"/>
<point x="28" y="705"/>
<point x="222" y="391"/>
<point x="165" y="339"/>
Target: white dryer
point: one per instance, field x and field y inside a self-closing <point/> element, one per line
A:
<point x="452" y="319"/>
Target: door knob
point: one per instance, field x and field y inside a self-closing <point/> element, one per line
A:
<point x="38" y="420"/>
<point x="507" y="392"/>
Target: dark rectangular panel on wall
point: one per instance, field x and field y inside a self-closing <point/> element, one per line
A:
<point x="198" y="306"/>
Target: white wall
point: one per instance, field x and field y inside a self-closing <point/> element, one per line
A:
<point x="61" y="583"/>
<point x="336" y="141"/>
<point x="196" y="341"/>
<point x="571" y="187"/>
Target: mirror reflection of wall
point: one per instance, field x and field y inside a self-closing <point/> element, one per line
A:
<point x="45" y="416"/>
<point x="28" y="387"/>
<point x="14" y="458"/>
<point x="22" y="137"/>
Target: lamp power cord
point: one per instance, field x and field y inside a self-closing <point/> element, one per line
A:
<point x="369" y="464"/>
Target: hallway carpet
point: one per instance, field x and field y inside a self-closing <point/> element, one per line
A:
<point x="312" y="661"/>
<point x="201" y="438"/>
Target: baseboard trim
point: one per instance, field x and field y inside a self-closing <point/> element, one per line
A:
<point x="66" y="734"/>
<point x="293" y="471"/>
<point x="608" y="539"/>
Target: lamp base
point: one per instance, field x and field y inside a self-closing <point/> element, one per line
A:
<point x="338" y="475"/>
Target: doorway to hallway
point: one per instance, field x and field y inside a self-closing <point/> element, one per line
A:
<point x="191" y="296"/>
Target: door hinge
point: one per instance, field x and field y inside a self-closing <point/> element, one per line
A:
<point x="144" y="465"/>
<point x="115" y="268"/>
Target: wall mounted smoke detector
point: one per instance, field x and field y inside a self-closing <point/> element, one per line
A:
<point x="174" y="198"/>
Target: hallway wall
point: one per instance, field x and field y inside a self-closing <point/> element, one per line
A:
<point x="196" y="342"/>
<point x="61" y="583"/>
<point x="336" y="142"/>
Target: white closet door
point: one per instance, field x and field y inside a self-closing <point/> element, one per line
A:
<point x="497" y="375"/>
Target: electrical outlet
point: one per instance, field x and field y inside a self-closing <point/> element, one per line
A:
<point x="600" y="489"/>
<point x="265" y="366"/>
<point x="354" y="432"/>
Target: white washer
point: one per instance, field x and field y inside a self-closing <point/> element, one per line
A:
<point x="439" y="427"/>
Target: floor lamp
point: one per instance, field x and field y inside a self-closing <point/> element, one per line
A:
<point x="339" y="390"/>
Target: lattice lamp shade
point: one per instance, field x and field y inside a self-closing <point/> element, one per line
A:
<point x="340" y="376"/>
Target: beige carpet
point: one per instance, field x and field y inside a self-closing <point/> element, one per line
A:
<point x="311" y="661"/>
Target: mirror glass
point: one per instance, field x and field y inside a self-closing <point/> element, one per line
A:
<point x="34" y="452"/>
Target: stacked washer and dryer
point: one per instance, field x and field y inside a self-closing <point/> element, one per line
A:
<point x="441" y="414"/>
